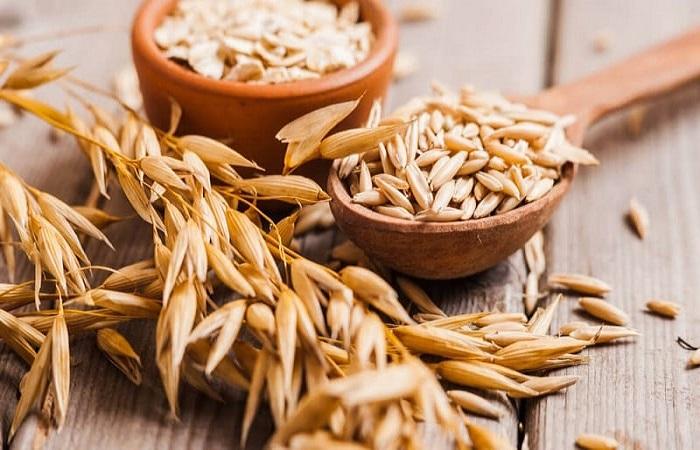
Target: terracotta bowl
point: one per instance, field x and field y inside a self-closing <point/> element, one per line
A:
<point x="248" y="116"/>
<point x="441" y="251"/>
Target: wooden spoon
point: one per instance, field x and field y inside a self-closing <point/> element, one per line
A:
<point x="456" y="249"/>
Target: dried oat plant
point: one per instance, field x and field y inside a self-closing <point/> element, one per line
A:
<point x="47" y="230"/>
<point x="334" y="353"/>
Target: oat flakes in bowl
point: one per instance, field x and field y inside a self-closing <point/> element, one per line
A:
<point x="264" y="41"/>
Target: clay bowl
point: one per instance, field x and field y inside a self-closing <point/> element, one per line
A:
<point x="456" y="249"/>
<point x="248" y="116"/>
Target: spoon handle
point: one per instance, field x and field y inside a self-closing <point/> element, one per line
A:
<point x="655" y="71"/>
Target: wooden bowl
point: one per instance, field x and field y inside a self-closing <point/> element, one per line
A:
<point x="248" y="116"/>
<point x="440" y="251"/>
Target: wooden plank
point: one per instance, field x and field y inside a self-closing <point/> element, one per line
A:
<point x="497" y="45"/>
<point x="639" y="392"/>
<point x="492" y="45"/>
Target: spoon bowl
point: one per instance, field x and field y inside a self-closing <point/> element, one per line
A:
<point x="435" y="250"/>
<point x="442" y="250"/>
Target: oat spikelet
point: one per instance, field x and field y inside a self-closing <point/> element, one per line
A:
<point x="304" y="135"/>
<point x="214" y="152"/>
<point x="314" y="216"/>
<point x="485" y="439"/>
<point x="442" y="342"/>
<point x="227" y="320"/>
<point x="288" y="188"/>
<point x="540" y="324"/>
<point x="534" y="253"/>
<point x="474" y="404"/>
<point x="664" y="308"/>
<point x="286" y="321"/>
<point x="639" y="218"/>
<point x="570" y="327"/>
<point x="33" y="73"/>
<point x="497" y="317"/>
<point x="375" y="291"/>
<point x="603" y="310"/>
<point x="48" y="375"/>
<point x="695" y="359"/>
<point x="550" y="384"/>
<point x="602" y="334"/>
<point x="227" y="272"/>
<point x="172" y="333"/>
<point x="357" y="140"/>
<point x="97" y="217"/>
<point x="596" y="442"/>
<point x="531" y="355"/>
<point x="60" y="367"/>
<point x="531" y="293"/>
<point x="120" y="353"/>
<point x="580" y="283"/>
<point x="318" y="122"/>
<point x="257" y="384"/>
<point x="418" y="296"/>
<point x="347" y="252"/>
<point x="35" y="384"/>
<point x="20" y="336"/>
<point x="481" y="377"/>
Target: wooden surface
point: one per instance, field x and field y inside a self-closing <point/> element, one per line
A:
<point x="640" y="392"/>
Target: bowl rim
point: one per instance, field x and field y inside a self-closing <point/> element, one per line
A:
<point x="339" y="194"/>
<point x="151" y="13"/>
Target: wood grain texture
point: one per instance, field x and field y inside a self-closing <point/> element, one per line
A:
<point x="639" y="392"/>
<point x="478" y="43"/>
<point x="492" y="45"/>
<point x="500" y="45"/>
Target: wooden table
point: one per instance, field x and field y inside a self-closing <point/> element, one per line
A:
<point x="639" y="392"/>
